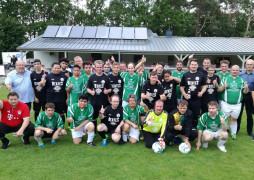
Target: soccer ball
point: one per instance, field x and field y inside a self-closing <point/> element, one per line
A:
<point x="157" y="147"/>
<point x="183" y="148"/>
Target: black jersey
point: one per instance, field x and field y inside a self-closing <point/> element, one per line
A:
<point x="113" y="117"/>
<point x="117" y="85"/>
<point x="98" y="84"/>
<point x="40" y="92"/>
<point x="211" y="93"/>
<point x="66" y="72"/>
<point x="192" y="83"/>
<point x="154" y="91"/>
<point x="201" y="70"/>
<point x="55" y="88"/>
<point x="169" y="89"/>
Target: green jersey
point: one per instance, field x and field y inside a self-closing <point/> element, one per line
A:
<point x="86" y="78"/>
<point x="233" y="94"/>
<point x="80" y="115"/>
<point x="222" y="77"/>
<point x="133" y="115"/>
<point x="53" y="123"/>
<point x="211" y="124"/>
<point x="82" y="72"/>
<point x="76" y="89"/>
<point x="132" y="84"/>
<point x="145" y="75"/>
<point x="178" y="75"/>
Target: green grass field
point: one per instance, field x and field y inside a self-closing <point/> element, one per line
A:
<point x="64" y="160"/>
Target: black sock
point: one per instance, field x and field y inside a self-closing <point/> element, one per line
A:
<point x="102" y="134"/>
<point x="95" y="126"/>
<point x="36" y="114"/>
<point x="4" y="140"/>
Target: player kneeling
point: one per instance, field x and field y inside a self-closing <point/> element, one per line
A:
<point x="131" y="117"/>
<point x="80" y="116"/>
<point x="180" y="122"/>
<point x="213" y="125"/>
<point x="111" y="121"/>
<point x="49" y="124"/>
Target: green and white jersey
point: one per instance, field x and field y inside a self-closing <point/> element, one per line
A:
<point x="222" y="77"/>
<point x="82" y="72"/>
<point x="53" y="123"/>
<point x="233" y="94"/>
<point x="178" y="75"/>
<point x="86" y="78"/>
<point x="78" y="115"/>
<point x="133" y="115"/>
<point x="145" y="75"/>
<point x="76" y="89"/>
<point x="132" y="84"/>
<point x="208" y="123"/>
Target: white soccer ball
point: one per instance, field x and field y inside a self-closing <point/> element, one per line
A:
<point x="157" y="147"/>
<point x="183" y="148"/>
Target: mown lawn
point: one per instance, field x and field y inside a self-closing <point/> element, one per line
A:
<point x="65" y="160"/>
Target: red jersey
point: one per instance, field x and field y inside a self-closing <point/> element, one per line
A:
<point x="14" y="116"/>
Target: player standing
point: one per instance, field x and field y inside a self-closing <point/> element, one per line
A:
<point x="179" y="74"/>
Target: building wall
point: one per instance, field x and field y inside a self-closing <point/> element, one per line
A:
<point x="46" y="58"/>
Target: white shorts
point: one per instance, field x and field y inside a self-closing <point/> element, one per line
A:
<point x="134" y="133"/>
<point x="214" y="134"/>
<point x="220" y="104"/>
<point x="78" y="134"/>
<point x="124" y="103"/>
<point x="232" y="110"/>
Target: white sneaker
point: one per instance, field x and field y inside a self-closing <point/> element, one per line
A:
<point x="222" y="148"/>
<point x="205" y="145"/>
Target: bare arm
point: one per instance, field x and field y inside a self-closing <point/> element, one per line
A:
<point x="1" y="105"/>
<point x="198" y="144"/>
<point x="23" y="126"/>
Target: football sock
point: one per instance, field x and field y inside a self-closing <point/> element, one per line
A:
<point x="233" y="128"/>
<point x="221" y="142"/>
<point x="37" y="138"/>
<point x="125" y="137"/>
<point x="90" y="137"/>
<point x="102" y="134"/>
<point x="95" y="126"/>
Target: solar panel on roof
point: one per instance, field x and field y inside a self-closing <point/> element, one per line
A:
<point x="89" y="32"/>
<point x="140" y="33"/>
<point x="128" y="33"/>
<point x="115" y="33"/>
<point x="51" y="31"/>
<point x="64" y="31"/>
<point x="77" y="32"/>
<point x="102" y="32"/>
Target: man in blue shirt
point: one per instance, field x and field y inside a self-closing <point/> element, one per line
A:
<point x="19" y="81"/>
<point x="247" y="101"/>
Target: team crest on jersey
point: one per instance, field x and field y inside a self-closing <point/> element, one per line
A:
<point x="116" y="90"/>
<point x="118" y="115"/>
<point x="171" y="85"/>
<point x="197" y="78"/>
<point x="62" y="79"/>
<point x="119" y="81"/>
<point x="155" y="90"/>
<point x="19" y="112"/>
<point x="103" y="82"/>
<point x="98" y="91"/>
<point x="57" y="88"/>
<point x="38" y="88"/>
<point x="210" y="91"/>
<point x="193" y="87"/>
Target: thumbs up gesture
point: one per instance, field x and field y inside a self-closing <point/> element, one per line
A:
<point x="215" y="82"/>
<point x="67" y="74"/>
<point x="71" y="85"/>
<point x="143" y="59"/>
<point x="225" y="85"/>
<point x="102" y="110"/>
<point x="147" y="95"/>
<point x="208" y="81"/>
<point x="245" y="85"/>
<point x="222" y="119"/>
<point x="70" y="119"/>
<point x="163" y="97"/>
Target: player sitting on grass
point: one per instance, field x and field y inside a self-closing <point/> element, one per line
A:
<point x="131" y="117"/>
<point x="80" y="116"/>
<point x="111" y="121"/>
<point x="180" y="122"/>
<point x="49" y="124"/>
<point x="155" y="121"/>
<point x="213" y="125"/>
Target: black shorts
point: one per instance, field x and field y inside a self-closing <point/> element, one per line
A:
<point x="46" y="135"/>
<point x="96" y="110"/>
<point x="111" y="129"/>
<point x="5" y="129"/>
<point x="39" y="106"/>
<point x="60" y="107"/>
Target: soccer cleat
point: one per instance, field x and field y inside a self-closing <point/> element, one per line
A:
<point x="26" y="141"/>
<point x="106" y="136"/>
<point x="250" y="134"/>
<point x="222" y="148"/>
<point x="6" y="143"/>
<point x="121" y="142"/>
<point x="94" y="136"/>
<point x="104" y="142"/>
<point x="233" y="136"/>
<point x="205" y="145"/>
<point x="177" y="140"/>
<point x="53" y="141"/>
<point x="41" y="144"/>
<point x="91" y="144"/>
